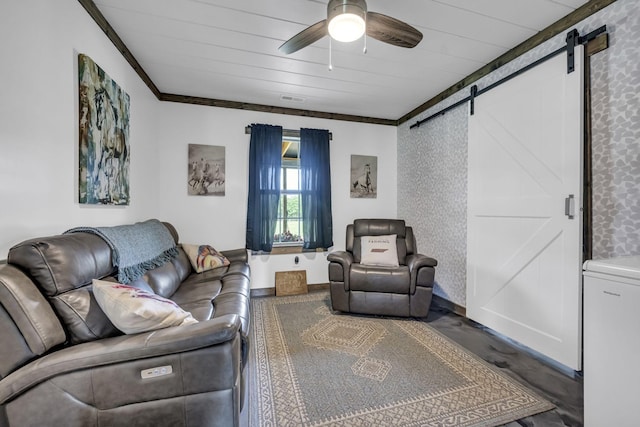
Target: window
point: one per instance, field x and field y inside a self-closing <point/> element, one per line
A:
<point x="289" y="220"/>
<point x="289" y="201"/>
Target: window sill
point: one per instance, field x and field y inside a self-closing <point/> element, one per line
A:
<point x="292" y="249"/>
<point x="284" y="250"/>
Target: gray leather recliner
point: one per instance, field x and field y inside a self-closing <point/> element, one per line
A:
<point x="404" y="291"/>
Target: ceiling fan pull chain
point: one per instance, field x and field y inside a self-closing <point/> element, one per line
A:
<point x="365" y="34"/>
<point x="330" y="61"/>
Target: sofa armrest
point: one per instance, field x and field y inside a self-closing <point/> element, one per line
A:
<point x="236" y="255"/>
<point x="121" y="349"/>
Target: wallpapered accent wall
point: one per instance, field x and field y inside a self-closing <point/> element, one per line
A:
<point x="432" y="159"/>
<point x="616" y="137"/>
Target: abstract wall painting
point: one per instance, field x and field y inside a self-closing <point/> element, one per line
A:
<point x="364" y="177"/>
<point x="104" y="137"/>
<point x="206" y="170"/>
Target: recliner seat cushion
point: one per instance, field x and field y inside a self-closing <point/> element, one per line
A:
<point x="380" y="279"/>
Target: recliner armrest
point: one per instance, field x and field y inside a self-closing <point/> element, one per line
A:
<point x="416" y="262"/>
<point x="121" y="349"/>
<point x="343" y="257"/>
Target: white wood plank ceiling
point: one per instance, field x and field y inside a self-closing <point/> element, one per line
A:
<point x="228" y="49"/>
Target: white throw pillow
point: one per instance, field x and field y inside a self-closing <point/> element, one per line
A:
<point x="379" y="250"/>
<point x="134" y="310"/>
<point x="204" y="257"/>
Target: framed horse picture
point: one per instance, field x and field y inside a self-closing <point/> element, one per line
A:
<point x="104" y="137"/>
<point x="364" y="177"/>
<point x="206" y="170"/>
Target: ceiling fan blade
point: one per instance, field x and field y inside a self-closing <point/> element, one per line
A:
<point x="305" y="37"/>
<point x="390" y="30"/>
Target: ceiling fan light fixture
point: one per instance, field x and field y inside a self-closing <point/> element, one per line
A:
<point x="346" y="19"/>
<point x="353" y="15"/>
<point x="347" y="27"/>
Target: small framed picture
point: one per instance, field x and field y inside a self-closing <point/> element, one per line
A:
<point x="206" y="170"/>
<point x="364" y="177"/>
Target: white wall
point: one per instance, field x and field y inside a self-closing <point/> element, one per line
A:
<point x="39" y="146"/>
<point x="39" y="121"/>
<point x="220" y="221"/>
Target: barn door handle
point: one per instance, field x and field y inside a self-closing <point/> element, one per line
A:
<point x="570" y="206"/>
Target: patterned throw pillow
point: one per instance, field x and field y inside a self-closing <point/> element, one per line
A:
<point x="134" y="310"/>
<point x="379" y="250"/>
<point x="204" y="257"/>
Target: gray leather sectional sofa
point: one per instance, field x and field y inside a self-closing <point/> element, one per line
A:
<point x="63" y="363"/>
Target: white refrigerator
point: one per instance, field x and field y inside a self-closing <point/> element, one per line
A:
<point x="612" y="342"/>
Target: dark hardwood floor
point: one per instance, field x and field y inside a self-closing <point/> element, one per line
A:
<point x="560" y="388"/>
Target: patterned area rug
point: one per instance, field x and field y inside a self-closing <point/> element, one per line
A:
<point x="311" y="367"/>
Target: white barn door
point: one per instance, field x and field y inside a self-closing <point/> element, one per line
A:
<point x="524" y="254"/>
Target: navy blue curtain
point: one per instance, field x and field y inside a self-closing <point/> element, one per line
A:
<point x="315" y="186"/>
<point x="265" y="159"/>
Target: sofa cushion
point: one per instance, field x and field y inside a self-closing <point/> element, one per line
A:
<point x="197" y="298"/>
<point x="379" y="250"/>
<point x="204" y="257"/>
<point x="214" y="293"/>
<point x="134" y="310"/>
<point x="29" y="325"/>
<point x="82" y="316"/>
<point x="235" y="268"/>
<point x="62" y="267"/>
<point x="166" y="279"/>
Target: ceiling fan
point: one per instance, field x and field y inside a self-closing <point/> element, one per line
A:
<point x="348" y="20"/>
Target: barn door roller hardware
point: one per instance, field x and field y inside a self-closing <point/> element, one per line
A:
<point x="472" y="98"/>
<point x="573" y="39"/>
<point x="572" y="42"/>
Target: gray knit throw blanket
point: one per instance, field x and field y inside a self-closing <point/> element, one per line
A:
<point x="136" y="248"/>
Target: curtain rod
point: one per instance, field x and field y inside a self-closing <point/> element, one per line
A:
<point x="291" y="133"/>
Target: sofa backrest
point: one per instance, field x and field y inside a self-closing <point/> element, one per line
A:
<point x="165" y="280"/>
<point x="63" y="268"/>
<point x="405" y="241"/>
<point x="28" y="325"/>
